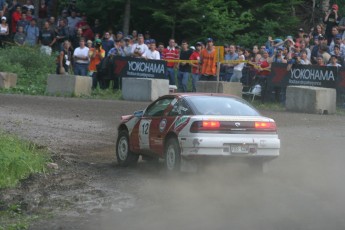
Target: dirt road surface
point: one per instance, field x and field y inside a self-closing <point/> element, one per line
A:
<point x="303" y="189"/>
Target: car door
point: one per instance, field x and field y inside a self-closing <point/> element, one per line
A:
<point x="149" y="136"/>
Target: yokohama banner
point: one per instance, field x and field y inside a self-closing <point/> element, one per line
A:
<point x="139" y="67"/>
<point x="307" y="75"/>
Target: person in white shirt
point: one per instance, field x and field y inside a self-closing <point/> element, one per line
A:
<point x="237" y="75"/>
<point x="139" y="49"/>
<point x="81" y="58"/>
<point x="304" y="58"/>
<point x="334" y="61"/>
<point x="152" y="53"/>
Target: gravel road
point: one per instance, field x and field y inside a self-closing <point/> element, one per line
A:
<point x="303" y="188"/>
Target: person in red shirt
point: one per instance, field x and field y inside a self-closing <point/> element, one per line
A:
<point x="195" y="66"/>
<point x="16" y="16"/>
<point x="170" y="53"/>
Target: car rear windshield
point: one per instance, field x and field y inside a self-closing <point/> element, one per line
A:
<point x="213" y="105"/>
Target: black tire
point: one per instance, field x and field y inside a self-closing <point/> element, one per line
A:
<point x="123" y="155"/>
<point x="172" y="155"/>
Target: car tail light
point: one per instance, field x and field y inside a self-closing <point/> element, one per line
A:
<point x="204" y="126"/>
<point x="265" y="126"/>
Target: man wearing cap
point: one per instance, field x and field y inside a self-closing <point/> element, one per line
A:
<point x="337" y="41"/>
<point x="331" y="19"/>
<point x="96" y="55"/>
<point x="46" y="39"/>
<point x="152" y="53"/>
<point x="336" y="52"/>
<point x="208" y="59"/>
<point x="170" y="53"/>
<point x="334" y="61"/>
<point x="300" y="35"/>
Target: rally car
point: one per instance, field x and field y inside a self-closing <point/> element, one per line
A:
<point x="184" y="126"/>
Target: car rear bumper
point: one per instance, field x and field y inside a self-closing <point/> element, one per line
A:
<point x="220" y="145"/>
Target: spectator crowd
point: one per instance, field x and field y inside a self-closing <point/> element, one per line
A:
<point x="82" y="46"/>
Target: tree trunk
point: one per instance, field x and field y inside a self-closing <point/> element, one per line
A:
<point x="127" y="17"/>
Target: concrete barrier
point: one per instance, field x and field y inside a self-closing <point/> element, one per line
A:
<point x="7" y="80"/>
<point x="309" y="99"/>
<point x="234" y="88"/>
<point x="68" y="85"/>
<point x="207" y="86"/>
<point x="144" y="89"/>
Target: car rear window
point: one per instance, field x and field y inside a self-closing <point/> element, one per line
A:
<point x="213" y="105"/>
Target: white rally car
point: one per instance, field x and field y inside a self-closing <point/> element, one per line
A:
<point x="182" y="127"/>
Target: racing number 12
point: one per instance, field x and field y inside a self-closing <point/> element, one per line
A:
<point x="145" y="128"/>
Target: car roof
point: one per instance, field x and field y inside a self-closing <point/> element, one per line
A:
<point x="201" y="94"/>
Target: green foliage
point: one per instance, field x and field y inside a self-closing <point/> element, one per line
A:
<point x="31" y="67"/>
<point x="19" y="159"/>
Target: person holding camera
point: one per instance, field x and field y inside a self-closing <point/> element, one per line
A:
<point x="96" y="55"/>
<point x="331" y="19"/>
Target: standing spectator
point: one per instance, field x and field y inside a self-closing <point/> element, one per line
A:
<point x="300" y="35"/>
<point x="304" y="47"/>
<point x="23" y="22"/>
<point x="119" y="35"/>
<point x="16" y="16"/>
<point x="89" y="44"/>
<point x="76" y="38"/>
<point x="237" y="71"/>
<point x="107" y="44"/>
<point x="19" y="37"/>
<point x="152" y="53"/>
<point x="208" y="60"/>
<point x="170" y="53"/>
<point x="334" y="61"/>
<point x="3" y="7"/>
<point x="32" y="33"/>
<point x="87" y="32"/>
<point x="256" y="54"/>
<point x="28" y="6"/>
<point x="315" y="50"/>
<point x="96" y="55"/>
<point x="81" y="58"/>
<point x="147" y="36"/>
<point x="263" y="73"/>
<point x="97" y="27"/>
<point x="134" y="36"/>
<point x="195" y="66"/>
<point x="160" y="48"/>
<point x="11" y="8"/>
<point x="337" y="53"/>
<point x="319" y="61"/>
<point x="304" y="58"/>
<point x="43" y="12"/>
<point x="128" y="46"/>
<point x="72" y="22"/>
<point x="117" y="50"/>
<point x="4" y="31"/>
<point x="323" y="50"/>
<point x="331" y="19"/>
<point x="64" y="58"/>
<point x="29" y="15"/>
<point x="184" y="67"/>
<point x="52" y="24"/>
<point x="61" y="34"/>
<point x="47" y="39"/>
<point x="231" y="55"/>
<point x="139" y="49"/>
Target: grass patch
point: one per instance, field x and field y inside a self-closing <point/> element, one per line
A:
<point x="12" y="218"/>
<point x="19" y="159"/>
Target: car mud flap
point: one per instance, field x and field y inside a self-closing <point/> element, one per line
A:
<point x="188" y="165"/>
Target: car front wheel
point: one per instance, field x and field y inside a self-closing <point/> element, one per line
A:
<point x="172" y="155"/>
<point x="123" y="154"/>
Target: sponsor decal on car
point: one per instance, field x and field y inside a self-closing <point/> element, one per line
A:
<point x="180" y="121"/>
<point x="162" y="125"/>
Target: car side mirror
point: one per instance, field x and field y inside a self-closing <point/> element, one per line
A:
<point x="138" y="113"/>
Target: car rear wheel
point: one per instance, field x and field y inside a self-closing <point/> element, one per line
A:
<point x="123" y="154"/>
<point x="172" y="155"/>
